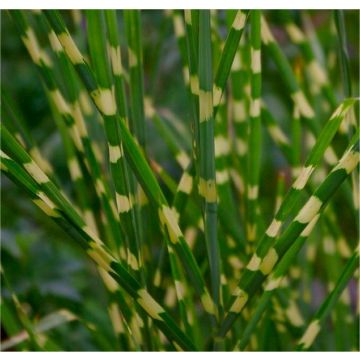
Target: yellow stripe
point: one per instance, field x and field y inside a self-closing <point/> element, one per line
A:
<point x="310" y="334"/>
<point x="309" y="210"/>
<point x="177" y="346"/>
<point x="255" y="108"/>
<point x="168" y="217"/>
<point x="269" y="261"/>
<point x="303" y="178"/>
<point x="74" y="169"/>
<point x="123" y="202"/>
<point x="186" y="183"/>
<point x="236" y="65"/>
<point x="149" y="107"/>
<point x="85" y="103"/>
<point x="254" y="263"/>
<point x="303" y="105"/>
<point x="239" y="303"/>
<point x="179" y="26"/>
<point x="206" y="105"/>
<point x="109" y="281"/>
<point x="183" y="159"/>
<point x="186" y="75"/>
<point x="295" y="33"/>
<point x="105" y="100"/>
<point x="188" y="17"/>
<point x="133" y="60"/>
<point x="217" y="92"/>
<point x="33" y="169"/>
<point x="255" y="61"/>
<point x="46" y="205"/>
<point x="54" y="42"/>
<point x="115" y="153"/>
<point x="239" y="111"/>
<point x="310" y="226"/>
<point x="115" y="57"/>
<point x="317" y="73"/>
<point x="43" y="163"/>
<point x="99" y="255"/>
<point x="149" y="304"/>
<point x="207" y="189"/>
<point x="274" y="228"/>
<point x="132" y="260"/>
<point x="60" y="102"/>
<point x="278" y="135"/>
<point x="348" y="162"/>
<point x="222" y="177"/>
<point x="239" y="21"/>
<point x="294" y="315"/>
<point x="273" y="283"/>
<point x="330" y="156"/>
<point x="157" y="278"/>
<point x="99" y="187"/>
<point x="208" y="304"/>
<point x="253" y="191"/>
<point x="35" y="51"/>
<point x="266" y="34"/>
<point x="222" y="146"/>
<point x="194" y="84"/>
<point x="70" y="48"/>
<point x="241" y="146"/>
<point x="180" y="289"/>
<point x="116" y="318"/>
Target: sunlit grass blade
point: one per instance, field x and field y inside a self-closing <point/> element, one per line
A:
<point x="228" y="55"/>
<point x="259" y="268"/>
<point x="254" y="155"/>
<point x="54" y="205"/>
<point x="207" y="181"/>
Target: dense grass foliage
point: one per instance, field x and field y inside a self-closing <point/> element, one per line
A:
<point x="180" y="180"/>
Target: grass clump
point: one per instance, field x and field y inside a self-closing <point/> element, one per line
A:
<point x="209" y="171"/>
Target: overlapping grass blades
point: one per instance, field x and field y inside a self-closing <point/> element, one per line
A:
<point x="216" y="201"/>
